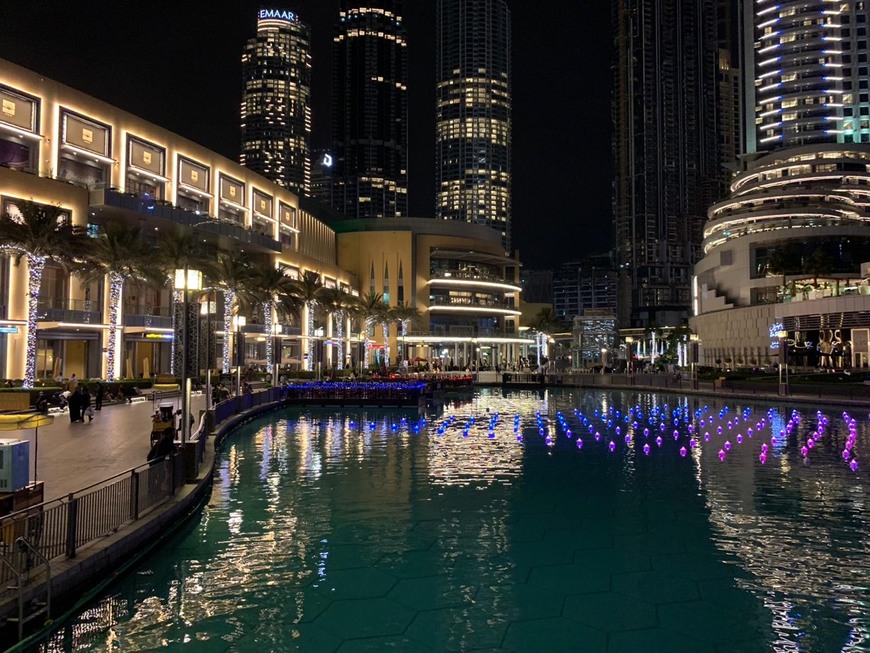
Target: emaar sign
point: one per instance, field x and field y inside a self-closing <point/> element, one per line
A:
<point x="278" y="14"/>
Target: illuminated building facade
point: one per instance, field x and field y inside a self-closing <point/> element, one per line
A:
<point x="473" y="114"/>
<point x="100" y="164"/>
<point x="457" y="276"/>
<point x="665" y="152"/>
<point x="370" y="111"/>
<point x="784" y="252"/>
<point x="276" y="101"/>
<point x="61" y="147"/>
<point x="811" y="73"/>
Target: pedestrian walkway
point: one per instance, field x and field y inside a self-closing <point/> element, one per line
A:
<point x="75" y="456"/>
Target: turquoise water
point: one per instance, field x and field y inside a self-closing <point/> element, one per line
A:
<point x="479" y="530"/>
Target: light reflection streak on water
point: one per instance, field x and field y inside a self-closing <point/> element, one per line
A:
<point x="796" y="560"/>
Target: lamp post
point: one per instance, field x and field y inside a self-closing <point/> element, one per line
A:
<point x="629" y="353"/>
<point x="186" y="280"/>
<point x="239" y="322"/>
<point x="783" y="359"/>
<point x="277" y="330"/>
<point x="694" y="342"/>
<point x="603" y="359"/>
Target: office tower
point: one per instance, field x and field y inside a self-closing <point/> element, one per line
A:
<point x="729" y="106"/>
<point x="537" y="286"/>
<point x="584" y="285"/>
<point x="665" y="152"/>
<point x="321" y="175"/>
<point x="473" y="113"/>
<point x="276" y="100"/>
<point x="370" y="111"/>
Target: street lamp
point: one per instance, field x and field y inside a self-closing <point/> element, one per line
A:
<point x="239" y="322"/>
<point x="186" y="280"/>
<point x="277" y="330"/>
<point x="694" y="341"/>
<point x="783" y="359"/>
<point x="629" y="344"/>
<point x="603" y="359"/>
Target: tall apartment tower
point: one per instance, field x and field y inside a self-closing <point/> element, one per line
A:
<point x="370" y="110"/>
<point x="276" y="100"/>
<point x="811" y="73"/>
<point x="665" y="152"/>
<point x="473" y="113"/>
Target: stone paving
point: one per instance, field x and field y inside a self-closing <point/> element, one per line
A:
<point x="74" y="456"/>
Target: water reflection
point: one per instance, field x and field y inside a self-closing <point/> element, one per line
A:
<point x="489" y="511"/>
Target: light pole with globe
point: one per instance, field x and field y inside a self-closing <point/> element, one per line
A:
<point x="186" y="279"/>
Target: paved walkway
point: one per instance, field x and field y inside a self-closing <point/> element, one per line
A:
<point x="74" y="456"/>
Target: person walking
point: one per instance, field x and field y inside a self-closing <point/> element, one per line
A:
<point x="98" y="395"/>
<point x="75" y="406"/>
<point x="87" y="409"/>
<point x="73" y="383"/>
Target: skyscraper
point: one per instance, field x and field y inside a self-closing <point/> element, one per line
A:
<point x="370" y="111"/>
<point x="473" y="113"/>
<point x="811" y="88"/>
<point x="793" y="228"/>
<point x="666" y="161"/>
<point x="276" y="101"/>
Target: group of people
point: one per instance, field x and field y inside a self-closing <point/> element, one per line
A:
<point x="79" y="400"/>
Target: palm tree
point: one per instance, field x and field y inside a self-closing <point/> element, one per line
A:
<point x="546" y="322"/>
<point x="119" y="254"/>
<point x="405" y="314"/>
<point x="231" y="274"/>
<point x="39" y="232"/>
<point x="339" y="304"/>
<point x="275" y="291"/>
<point x="818" y="263"/>
<point x="176" y="250"/>
<point x="784" y="259"/>
<point x="371" y="309"/>
<point x="306" y="291"/>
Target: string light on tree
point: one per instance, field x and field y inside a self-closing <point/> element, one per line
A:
<point x="35" y="266"/>
<point x="229" y="301"/>
<point x="116" y="286"/>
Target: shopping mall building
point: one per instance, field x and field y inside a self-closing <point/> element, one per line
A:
<point x="61" y="147"/>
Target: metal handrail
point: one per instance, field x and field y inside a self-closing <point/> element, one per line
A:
<point x="20" y="544"/>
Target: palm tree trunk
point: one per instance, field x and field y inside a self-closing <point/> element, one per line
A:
<point x="267" y="324"/>
<point x="386" y="329"/>
<point x="116" y="285"/>
<point x="229" y="300"/>
<point x="339" y="331"/>
<point x="35" y="266"/>
<point x="310" y="323"/>
<point x="368" y="342"/>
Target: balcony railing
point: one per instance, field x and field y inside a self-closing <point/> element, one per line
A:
<point x="195" y="219"/>
<point x="469" y="301"/>
<point x="467" y="275"/>
<point x="79" y="311"/>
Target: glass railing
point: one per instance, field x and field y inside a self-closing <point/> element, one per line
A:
<point x="468" y="301"/>
<point x="81" y="311"/>
<point x="467" y="275"/>
<point x="196" y="219"/>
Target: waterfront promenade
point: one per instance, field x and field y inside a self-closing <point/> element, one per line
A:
<point x="75" y="456"/>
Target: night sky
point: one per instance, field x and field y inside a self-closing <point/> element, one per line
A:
<point x="178" y="64"/>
